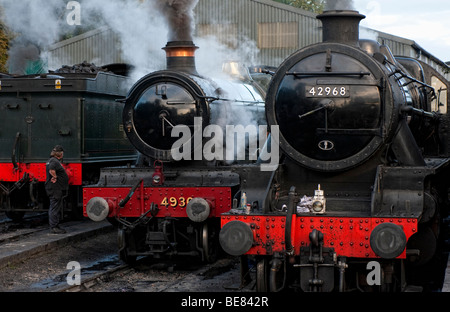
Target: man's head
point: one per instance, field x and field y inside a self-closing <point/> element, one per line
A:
<point x="57" y="152"/>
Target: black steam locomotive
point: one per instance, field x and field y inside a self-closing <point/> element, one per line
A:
<point x="74" y="107"/>
<point x="360" y="198"/>
<point x="170" y="203"/>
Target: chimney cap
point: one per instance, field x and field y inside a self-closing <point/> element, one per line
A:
<point x="180" y="56"/>
<point x="180" y="44"/>
<point x="341" y="13"/>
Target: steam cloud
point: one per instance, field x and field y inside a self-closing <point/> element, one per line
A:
<point x="142" y="31"/>
<point x="38" y="21"/>
<point x="144" y="27"/>
<point x="32" y="30"/>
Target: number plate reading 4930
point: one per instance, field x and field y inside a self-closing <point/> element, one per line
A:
<point x="328" y="91"/>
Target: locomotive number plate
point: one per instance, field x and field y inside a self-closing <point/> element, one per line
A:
<point x="327" y="91"/>
<point x="175" y="202"/>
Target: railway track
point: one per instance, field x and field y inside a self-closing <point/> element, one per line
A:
<point x="36" y="260"/>
<point x="94" y="248"/>
<point x="30" y="255"/>
<point x="148" y="276"/>
<point x="10" y="230"/>
<point x="91" y="282"/>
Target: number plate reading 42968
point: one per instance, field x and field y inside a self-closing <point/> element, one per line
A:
<point x="327" y="91"/>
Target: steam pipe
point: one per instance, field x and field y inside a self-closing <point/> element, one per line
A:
<point x="124" y="201"/>
<point x="289" y="216"/>
<point x="405" y="147"/>
<point x="276" y="266"/>
<point x="419" y="112"/>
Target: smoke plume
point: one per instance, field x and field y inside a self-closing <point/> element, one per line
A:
<point x="180" y="18"/>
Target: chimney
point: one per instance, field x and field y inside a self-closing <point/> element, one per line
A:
<point x="341" y="26"/>
<point x="180" y="56"/>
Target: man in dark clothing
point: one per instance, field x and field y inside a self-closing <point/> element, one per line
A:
<point x="56" y="186"/>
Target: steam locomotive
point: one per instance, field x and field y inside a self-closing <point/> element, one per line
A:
<point x="360" y="198"/>
<point x="74" y="107"/>
<point x="170" y="203"/>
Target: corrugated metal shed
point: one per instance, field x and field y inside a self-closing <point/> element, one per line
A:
<point x="97" y="46"/>
<point x="405" y="47"/>
<point x="276" y="29"/>
<point x="262" y="21"/>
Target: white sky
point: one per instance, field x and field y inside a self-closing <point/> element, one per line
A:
<point x="427" y="22"/>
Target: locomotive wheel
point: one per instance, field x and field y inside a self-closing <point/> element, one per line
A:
<point x="262" y="275"/>
<point x="14" y="201"/>
<point x="124" y="240"/>
<point x="269" y="279"/>
<point x="123" y="255"/>
<point x="277" y="276"/>
<point x="428" y="269"/>
<point x="209" y="244"/>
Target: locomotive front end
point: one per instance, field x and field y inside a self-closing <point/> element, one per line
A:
<point x="169" y="203"/>
<point x="165" y="104"/>
<point x="355" y="186"/>
<point x="337" y="96"/>
<point x="162" y="100"/>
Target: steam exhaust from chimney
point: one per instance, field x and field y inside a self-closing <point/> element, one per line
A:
<point x="180" y="49"/>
